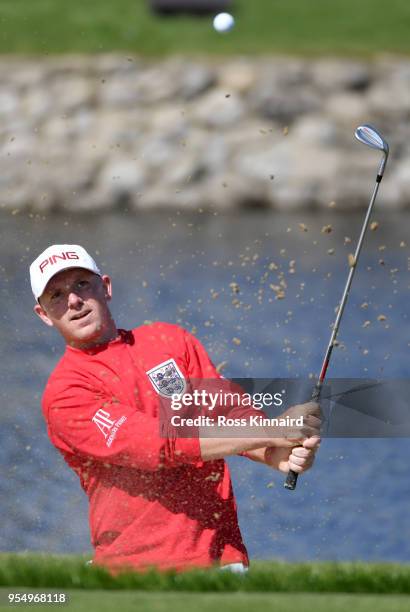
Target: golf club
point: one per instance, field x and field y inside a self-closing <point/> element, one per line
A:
<point x="369" y="136"/>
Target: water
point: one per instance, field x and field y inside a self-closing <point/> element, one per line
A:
<point x="180" y="268"/>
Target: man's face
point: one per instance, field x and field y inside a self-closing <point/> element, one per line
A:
<point x="75" y="303"/>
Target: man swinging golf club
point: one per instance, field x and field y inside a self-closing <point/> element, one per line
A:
<point x="162" y="501"/>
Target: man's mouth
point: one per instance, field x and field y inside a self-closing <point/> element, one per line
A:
<point x="80" y="315"/>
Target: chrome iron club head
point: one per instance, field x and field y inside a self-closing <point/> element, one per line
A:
<point x="369" y="136"/>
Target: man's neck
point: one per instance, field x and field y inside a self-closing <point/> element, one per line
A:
<point x="107" y="336"/>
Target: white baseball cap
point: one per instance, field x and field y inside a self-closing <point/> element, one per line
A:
<point x="56" y="258"/>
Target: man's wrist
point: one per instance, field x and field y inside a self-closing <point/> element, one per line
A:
<point x="257" y="454"/>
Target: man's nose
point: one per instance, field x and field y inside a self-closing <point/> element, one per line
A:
<point x="74" y="299"/>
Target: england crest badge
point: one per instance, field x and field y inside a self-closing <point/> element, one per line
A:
<point x="167" y="379"/>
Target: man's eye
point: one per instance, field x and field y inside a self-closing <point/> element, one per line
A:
<point x="56" y="295"/>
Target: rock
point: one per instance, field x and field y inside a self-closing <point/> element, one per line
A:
<point x="230" y="190"/>
<point x="120" y="179"/>
<point x="286" y="72"/>
<point x="394" y="70"/>
<point x="44" y="198"/>
<point x="184" y="169"/>
<point x="299" y="173"/>
<point x="397" y="191"/>
<point x="156" y="151"/>
<point x="157" y="197"/>
<point x="156" y="84"/>
<point x="353" y="191"/>
<point x="37" y="103"/>
<point x="288" y="196"/>
<point x="117" y="91"/>
<point x="9" y="103"/>
<point x="96" y="132"/>
<point x="314" y="129"/>
<point x="236" y="76"/>
<point x="87" y="201"/>
<point x="256" y="133"/>
<point x="23" y="144"/>
<point x="392" y="195"/>
<point x="42" y="184"/>
<point x="70" y="93"/>
<point x="13" y="172"/>
<point x="16" y="199"/>
<point x="187" y="163"/>
<point x="288" y="161"/>
<point x="334" y="75"/>
<point x="214" y="156"/>
<point x="70" y="64"/>
<point x="284" y="106"/>
<point x="195" y="80"/>
<point x="170" y="122"/>
<point x="115" y="128"/>
<point x="27" y="75"/>
<point x="55" y="153"/>
<point x="81" y="124"/>
<point x="17" y="125"/>
<point x="390" y="100"/>
<point x="106" y="64"/>
<point x="346" y="109"/>
<point x="56" y="128"/>
<point x="215" y="110"/>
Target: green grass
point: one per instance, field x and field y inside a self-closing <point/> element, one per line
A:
<point x="43" y="570"/>
<point x="315" y="27"/>
<point x="269" y="586"/>
<point x="103" y="601"/>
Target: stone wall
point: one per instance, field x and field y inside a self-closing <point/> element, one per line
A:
<point x="106" y="132"/>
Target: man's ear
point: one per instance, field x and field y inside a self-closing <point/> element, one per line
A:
<point x="107" y="287"/>
<point x="43" y="315"/>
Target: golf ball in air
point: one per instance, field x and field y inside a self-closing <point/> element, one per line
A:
<point x="224" y="22"/>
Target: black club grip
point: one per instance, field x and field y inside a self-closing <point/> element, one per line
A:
<point x="292" y="477"/>
<point x="291" y="480"/>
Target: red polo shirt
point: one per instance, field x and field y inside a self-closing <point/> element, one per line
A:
<point x="153" y="501"/>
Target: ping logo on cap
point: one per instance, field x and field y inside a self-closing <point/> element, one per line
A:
<point x="55" y="259"/>
<point x="57" y="256"/>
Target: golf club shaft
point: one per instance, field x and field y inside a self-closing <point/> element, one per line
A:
<point x="292" y="477"/>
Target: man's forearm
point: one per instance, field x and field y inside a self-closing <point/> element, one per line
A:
<point x="216" y="443"/>
<point x="217" y="447"/>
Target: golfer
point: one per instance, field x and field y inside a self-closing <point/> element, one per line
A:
<point x="154" y="501"/>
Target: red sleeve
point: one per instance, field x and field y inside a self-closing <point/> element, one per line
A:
<point x="203" y="373"/>
<point x="82" y="421"/>
<point x="199" y="364"/>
